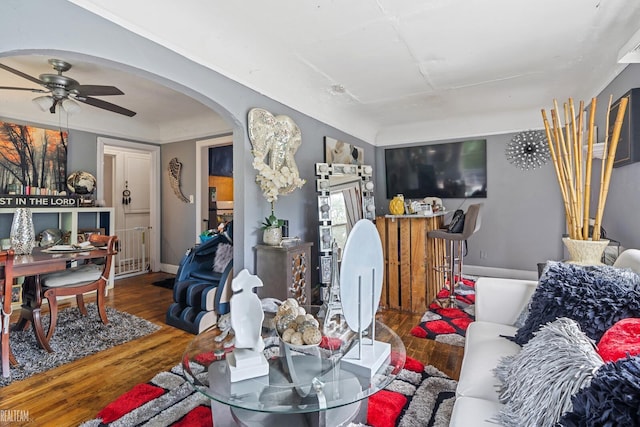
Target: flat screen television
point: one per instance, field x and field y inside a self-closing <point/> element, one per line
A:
<point x="453" y="170"/>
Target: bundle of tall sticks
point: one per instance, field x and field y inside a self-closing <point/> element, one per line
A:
<point x="574" y="172"/>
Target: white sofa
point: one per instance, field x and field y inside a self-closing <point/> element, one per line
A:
<point x="499" y="303"/>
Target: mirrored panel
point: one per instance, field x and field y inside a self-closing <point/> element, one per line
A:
<point x="345" y="195"/>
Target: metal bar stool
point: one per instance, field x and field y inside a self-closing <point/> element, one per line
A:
<point x="454" y="260"/>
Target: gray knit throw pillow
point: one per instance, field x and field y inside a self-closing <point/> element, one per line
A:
<point x="538" y="382"/>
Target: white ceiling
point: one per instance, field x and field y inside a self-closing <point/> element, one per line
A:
<point x="386" y="71"/>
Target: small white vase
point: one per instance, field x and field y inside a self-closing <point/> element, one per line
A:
<point x="23" y="236"/>
<point x="585" y="252"/>
<point x="272" y="236"/>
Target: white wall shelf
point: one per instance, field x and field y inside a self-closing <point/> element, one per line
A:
<point x="66" y="219"/>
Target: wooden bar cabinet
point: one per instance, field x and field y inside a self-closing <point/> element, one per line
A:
<point x="411" y="280"/>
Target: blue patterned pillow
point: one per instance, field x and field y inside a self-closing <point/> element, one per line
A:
<point x="596" y="297"/>
<point x="612" y="398"/>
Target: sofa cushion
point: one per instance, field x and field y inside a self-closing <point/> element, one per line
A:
<point x="620" y="340"/>
<point x="557" y="362"/>
<point x="471" y="411"/>
<point x="611" y="399"/>
<point x="484" y="347"/>
<point x="594" y="296"/>
<point x="500" y="300"/>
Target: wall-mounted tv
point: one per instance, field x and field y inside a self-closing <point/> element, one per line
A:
<point x="449" y="170"/>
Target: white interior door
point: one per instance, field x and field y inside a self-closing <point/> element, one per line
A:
<point x="134" y="167"/>
<point x="135" y="175"/>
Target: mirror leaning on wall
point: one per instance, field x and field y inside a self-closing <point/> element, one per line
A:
<point x="345" y="195"/>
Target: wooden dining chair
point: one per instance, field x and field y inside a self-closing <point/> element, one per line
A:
<point x="79" y="280"/>
<point x="6" y="283"/>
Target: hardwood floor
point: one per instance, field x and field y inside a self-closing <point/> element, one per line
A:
<point x="75" y="392"/>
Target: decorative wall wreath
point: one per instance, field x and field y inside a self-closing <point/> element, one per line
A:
<point x="528" y="150"/>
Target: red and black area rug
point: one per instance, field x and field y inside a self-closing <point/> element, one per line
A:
<point x="449" y="325"/>
<point x="420" y="392"/>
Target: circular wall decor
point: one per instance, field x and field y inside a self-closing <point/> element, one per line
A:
<point x="528" y="150"/>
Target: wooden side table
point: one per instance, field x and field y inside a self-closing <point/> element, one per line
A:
<point x="285" y="271"/>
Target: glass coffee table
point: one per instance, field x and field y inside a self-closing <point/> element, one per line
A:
<point x="306" y="385"/>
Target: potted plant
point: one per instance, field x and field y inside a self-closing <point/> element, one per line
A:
<point x="272" y="229"/>
<point x="574" y="175"/>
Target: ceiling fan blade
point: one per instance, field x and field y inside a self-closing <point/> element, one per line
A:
<point x="105" y="105"/>
<point x="20" y="73"/>
<point x="24" y="88"/>
<point x="96" y="90"/>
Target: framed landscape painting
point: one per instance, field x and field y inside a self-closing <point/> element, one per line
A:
<point x="336" y="151"/>
<point x="32" y="160"/>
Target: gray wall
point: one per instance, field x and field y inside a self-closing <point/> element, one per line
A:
<point x="177" y="221"/>
<point x="623" y="201"/>
<point x="82" y="152"/>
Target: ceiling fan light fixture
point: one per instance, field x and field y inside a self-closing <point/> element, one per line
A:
<point x="43" y="102"/>
<point x="70" y="106"/>
<point x="61" y="88"/>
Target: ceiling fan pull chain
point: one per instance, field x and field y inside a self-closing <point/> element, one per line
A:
<point x="126" y="194"/>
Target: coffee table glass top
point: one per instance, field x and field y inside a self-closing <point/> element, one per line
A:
<point x="300" y="380"/>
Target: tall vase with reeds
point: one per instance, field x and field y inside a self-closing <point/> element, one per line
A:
<point x="575" y="177"/>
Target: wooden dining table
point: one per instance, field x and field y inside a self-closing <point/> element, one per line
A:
<point x="32" y="266"/>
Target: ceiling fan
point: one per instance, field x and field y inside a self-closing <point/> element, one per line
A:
<point x="63" y="90"/>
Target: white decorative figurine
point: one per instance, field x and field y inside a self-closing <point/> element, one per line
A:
<point x="247" y="359"/>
